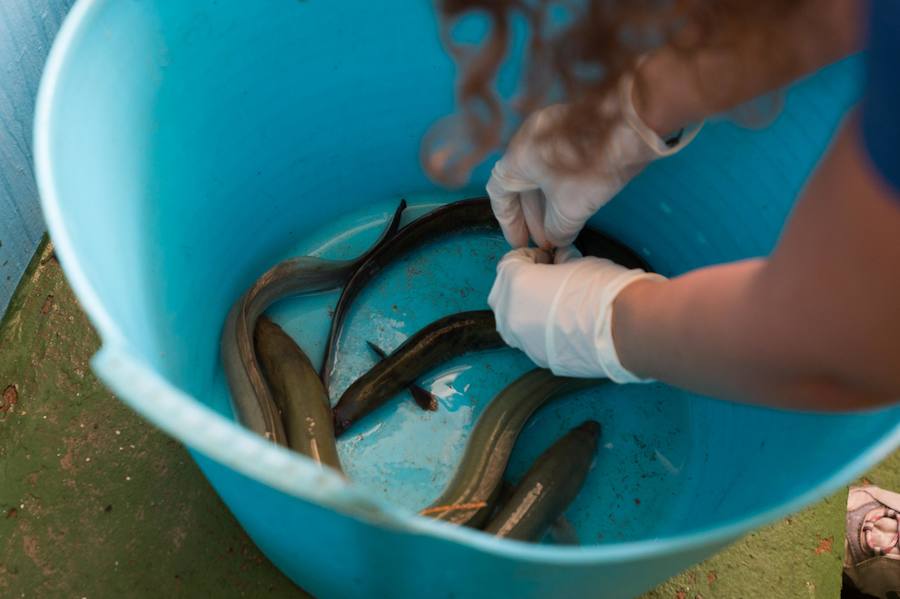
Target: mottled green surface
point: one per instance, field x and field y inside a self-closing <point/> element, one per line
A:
<point x="96" y="503"/>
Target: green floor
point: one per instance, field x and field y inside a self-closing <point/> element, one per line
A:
<point x="96" y="503"/>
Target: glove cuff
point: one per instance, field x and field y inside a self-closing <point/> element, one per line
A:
<point x="507" y="182"/>
<point x="607" y="356"/>
<point x="578" y="335"/>
<point x="654" y="142"/>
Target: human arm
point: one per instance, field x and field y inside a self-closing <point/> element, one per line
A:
<point x="814" y="326"/>
<point x="671" y="89"/>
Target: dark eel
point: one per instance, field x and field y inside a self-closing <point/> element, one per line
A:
<point x="444" y="220"/>
<point x="548" y="487"/>
<point x="449" y="218"/>
<point x="561" y="530"/>
<point x="591" y="242"/>
<point x="250" y="395"/>
<point x="440" y="341"/>
<point x="469" y="497"/>
<point x="423" y="398"/>
<point x="298" y="393"/>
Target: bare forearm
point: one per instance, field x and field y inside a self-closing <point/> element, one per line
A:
<point x="815" y="326"/>
<point x="684" y="332"/>
<point x="703" y="332"/>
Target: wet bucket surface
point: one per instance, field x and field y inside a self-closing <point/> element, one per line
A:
<point x="182" y="148"/>
<point x="407" y="456"/>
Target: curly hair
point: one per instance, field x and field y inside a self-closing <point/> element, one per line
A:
<point x="578" y="51"/>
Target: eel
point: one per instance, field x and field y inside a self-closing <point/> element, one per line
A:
<point x="440" y="341"/>
<point x="561" y="531"/>
<point x="423" y="398"/>
<point x="297" y="392"/>
<point x="548" y="487"/>
<point x="450" y="218"/>
<point x="470" y="496"/>
<point x="251" y="398"/>
<point x="591" y="242"/>
<point x="444" y="220"/>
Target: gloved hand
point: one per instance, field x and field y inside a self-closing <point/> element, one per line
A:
<point x="560" y="314"/>
<point x="528" y="198"/>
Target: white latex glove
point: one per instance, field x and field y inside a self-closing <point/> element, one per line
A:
<point x="560" y="314"/>
<point x="528" y="198"/>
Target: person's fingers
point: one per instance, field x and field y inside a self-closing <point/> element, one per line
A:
<point x="543" y="256"/>
<point x="500" y="299"/>
<point x="508" y="209"/>
<point x="566" y="254"/>
<point x="560" y="228"/>
<point x="524" y="255"/>
<point x="569" y="205"/>
<point x="533" y="209"/>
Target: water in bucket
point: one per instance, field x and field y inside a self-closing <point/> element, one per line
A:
<point x="184" y="147"/>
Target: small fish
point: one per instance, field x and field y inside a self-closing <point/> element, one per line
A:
<point x="548" y="487"/>
<point x="250" y="396"/>
<point x="298" y="393"/>
<point x="423" y="398"/>
<point x="440" y="341"/>
<point x="478" y="477"/>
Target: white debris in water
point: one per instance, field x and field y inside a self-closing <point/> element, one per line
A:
<point x="667" y="464"/>
<point x="442" y="387"/>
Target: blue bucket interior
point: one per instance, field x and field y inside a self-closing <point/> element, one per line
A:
<point x="193" y="144"/>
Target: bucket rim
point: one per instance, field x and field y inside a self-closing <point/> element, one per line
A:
<point x="173" y="410"/>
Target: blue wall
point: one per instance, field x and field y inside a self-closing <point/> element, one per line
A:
<point x="27" y="28"/>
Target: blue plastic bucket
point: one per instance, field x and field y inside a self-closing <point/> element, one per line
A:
<point x="182" y="147"/>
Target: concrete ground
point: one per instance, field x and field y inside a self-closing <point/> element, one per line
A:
<point x="94" y="502"/>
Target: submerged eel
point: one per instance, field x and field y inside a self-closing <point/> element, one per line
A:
<point x="548" y="487"/>
<point x="446" y="219"/>
<point x="469" y="498"/>
<point x="298" y="393"/>
<point x="440" y="341"/>
<point x="448" y="337"/>
<point x="423" y="398"/>
<point x="251" y="398"/>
